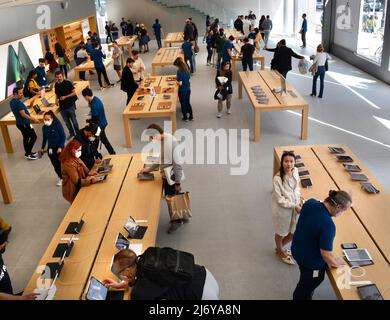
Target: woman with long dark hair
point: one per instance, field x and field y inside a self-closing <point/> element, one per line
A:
<point x="61" y="54"/>
<point x="183" y="79"/>
<point x="54" y="135"/>
<point x="286" y="205"/>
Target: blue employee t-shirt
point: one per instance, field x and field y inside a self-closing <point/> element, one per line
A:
<point x="227" y="46"/>
<point x="97" y="57"/>
<point x="185" y="78"/>
<point x="187" y="49"/>
<point x="157" y="29"/>
<point x="97" y="111"/>
<point x="16" y="106"/>
<point x="315" y="231"/>
<point x="41" y="76"/>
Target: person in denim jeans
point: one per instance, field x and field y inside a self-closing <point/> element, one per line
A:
<point x="320" y="61"/>
<point x="66" y="98"/>
<point x="183" y="78"/>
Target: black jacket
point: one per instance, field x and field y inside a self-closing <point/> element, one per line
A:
<point x="239" y="25"/>
<point x="227" y="87"/>
<point x="128" y="83"/>
<point x="189" y="32"/>
<point x="89" y="150"/>
<point x="282" y="58"/>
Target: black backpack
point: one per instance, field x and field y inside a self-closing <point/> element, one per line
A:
<point x="166" y="267"/>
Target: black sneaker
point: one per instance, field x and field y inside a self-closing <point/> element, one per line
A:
<point x="184" y="119"/>
<point x="191" y="118"/>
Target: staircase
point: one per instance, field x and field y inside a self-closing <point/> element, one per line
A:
<point x="205" y="7"/>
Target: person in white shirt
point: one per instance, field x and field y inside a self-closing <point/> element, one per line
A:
<point x="286" y="205"/>
<point x="320" y="62"/>
<point x="138" y="66"/>
<point x="247" y="25"/>
<point x="82" y="56"/>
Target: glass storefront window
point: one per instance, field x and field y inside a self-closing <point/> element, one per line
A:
<point x="372" y="29"/>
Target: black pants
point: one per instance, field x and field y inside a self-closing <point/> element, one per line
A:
<point x="308" y="283"/>
<point x="104" y="140"/>
<point x="64" y="69"/>
<point x="109" y="37"/>
<point x="55" y="161"/>
<point x="168" y="190"/>
<point x="29" y="138"/>
<point x="82" y="75"/>
<point x="186" y="108"/>
<point x="159" y="43"/>
<point x="100" y="72"/>
<point x="247" y="63"/>
<point x="186" y="59"/>
<point x="303" y="36"/>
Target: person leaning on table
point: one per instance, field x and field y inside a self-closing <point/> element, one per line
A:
<point x="203" y="285"/>
<point x="75" y="174"/>
<point x="286" y="205"/>
<point x="167" y="159"/>
<point x="312" y="245"/>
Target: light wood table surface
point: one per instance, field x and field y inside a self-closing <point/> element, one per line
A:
<point x="4" y="185"/>
<point x="90" y="66"/>
<point x="257" y="56"/>
<point x="236" y="34"/>
<point x="9" y="119"/>
<point x="173" y="38"/>
<point x="124" y="42"/>
<point x="268" y="80"/>
<point x="95" y="203"/>
<point x="151" y="104"/>
<point x="348" y="228"/>
<point x="142" y="201"/>
<point x="372" y="209"/>
<point x="165" y="57"/>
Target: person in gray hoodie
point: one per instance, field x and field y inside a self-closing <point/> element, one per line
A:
<point x="267" y="27"/>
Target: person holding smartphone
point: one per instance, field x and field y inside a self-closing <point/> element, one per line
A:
<point x="312" y="245"/>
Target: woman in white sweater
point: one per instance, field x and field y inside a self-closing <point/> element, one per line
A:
<point x="286" y="205"/>
<point x="320" y="60"/>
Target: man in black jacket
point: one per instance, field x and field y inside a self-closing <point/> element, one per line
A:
<point x="282" y="58"/>
<point x="239" y="24"/>
<point x="89" y="146"/>
<point x="128" y="83"/>
<point x="203" y="285"/>
<point x="189" y="31"/>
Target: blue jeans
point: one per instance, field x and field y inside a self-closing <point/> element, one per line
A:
<point x="186" y="109"/>
<point x="320" y="73"/>
<point x="209" y="53"/>
<point x="69" y="116"/>
<point x="218" y="66"/>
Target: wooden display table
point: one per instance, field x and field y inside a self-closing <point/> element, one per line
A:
<point x="371" y="209"/>
<point x="236" y="34"/>
<point x="9" y="119"/>
<point x="268" y="80"/>
<point x="142" y="203"/>
<point x="166" y="57"/>
<point x="124" y="42"/>
<point x="4" y="185"/>
<point x="172" y="38"/>
<point x="95" y="204"/>
<point x="152" y="107"/>
<point x="256" y="57"/>
<point x="90" y="66"/>
<point x="348" y="227"/>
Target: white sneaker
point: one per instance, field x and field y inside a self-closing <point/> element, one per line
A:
<point x="59" y="183"/>
<point x="219" y="115"/>
<point x="229" y="112"/>
<point x="31" y="157"/>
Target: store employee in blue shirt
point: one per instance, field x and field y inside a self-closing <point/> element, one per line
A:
<point x="228" y="48"/>
<point x="183" y="80"/>
<point x="312" y="245"/>
<point x="41" y="73"/>
<point x="98" y="117"/>
<point x="97" y="57"/>
<point x="23" y="123"/>
<point x="303" y="30"/>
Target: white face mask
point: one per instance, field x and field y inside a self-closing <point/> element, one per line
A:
<point x="92" y="139"/>
<point x="48" y="123"/>
<point x="78" y="154"/>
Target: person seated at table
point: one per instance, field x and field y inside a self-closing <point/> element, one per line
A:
<point x="41" y="73"/>
<point x="202" y="286"/>
<point x="89" y="145"/>
<point x="81" y="57"/>
<point x="54" y="135"/>
<point x="128" y="83"/>
<point x="138" y="67"/>
<point x="286" y="205"/>
<point x="23" y="123"/>
<point x="6" y="290"/>
<point x="75" y="174"/>
<point x="31" y="86"/>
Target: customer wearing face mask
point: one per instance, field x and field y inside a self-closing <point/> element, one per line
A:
<point x="312" y="245"/>
<point x="53" y="133"/>
<point x="87" y="138"/>
<point x="98" y="117"/>
<point x="75" y="174"/>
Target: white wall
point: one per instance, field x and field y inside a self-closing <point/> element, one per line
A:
<point x="275" y="9"/>
<point x="347" y="37"/>
<point x="146" y="11"/>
